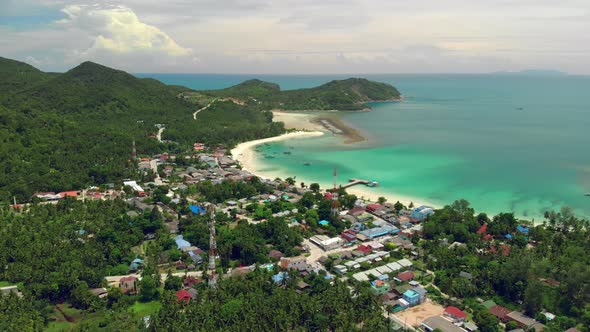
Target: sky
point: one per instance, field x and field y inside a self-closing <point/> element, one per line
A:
<point x="299" y="36"/>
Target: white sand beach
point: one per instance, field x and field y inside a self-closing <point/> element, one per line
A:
<point x="298" y="121"/>
<point x="244" y="152"/>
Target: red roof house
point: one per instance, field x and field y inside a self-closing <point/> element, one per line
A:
<point x="183" y="296"/>
<point x="69" y="194"/>
<point x="406" y="276"/>
<point x="483" y="229"/>
<point x="500" y="312"/>
<point x="455" y="313"/>
<point x="374" y="207"/>
<point x="128" y="285"/>
<point x="365" y="249"/>
<point x="356" y="211"/>
<point x="348" y="236"/>
<point x="190" y="281"/>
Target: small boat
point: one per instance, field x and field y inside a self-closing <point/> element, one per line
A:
<point x="307" y="164"/>
<point x="520" y="108"/>
<point x="269" y="157"/>
<point x="373" y="184"/>
<point x="587" y="194"/>
<point x="287" y="152"/>
<point x="291" y="147"/>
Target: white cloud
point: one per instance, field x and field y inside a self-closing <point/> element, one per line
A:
<point x="118" y="29"/>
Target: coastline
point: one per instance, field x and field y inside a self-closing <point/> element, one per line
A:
<point x="308" y="126"/>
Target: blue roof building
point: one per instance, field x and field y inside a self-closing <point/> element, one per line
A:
<point x="280" y="277"/>
<point x="508" y="236"/>
<point x="180" y="242"/>
<point x="324" y="222"/>
<point x="522" y="229"/>
<point x="422" y="212"/>
<point x="412" y="297"/>
<point x="197" y="209"/>
<point x="379" y="231"/>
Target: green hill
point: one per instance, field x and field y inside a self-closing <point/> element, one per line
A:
<point x="66" y="131"/>
<point x="345" y="95"/>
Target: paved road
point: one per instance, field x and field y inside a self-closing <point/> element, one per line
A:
<point x="202" y="109"/>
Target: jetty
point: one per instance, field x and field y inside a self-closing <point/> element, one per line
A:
<point x="354" y="182"/>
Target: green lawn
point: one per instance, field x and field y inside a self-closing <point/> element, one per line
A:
<point x="59" y="326"/>
<point x="145" y="309"/>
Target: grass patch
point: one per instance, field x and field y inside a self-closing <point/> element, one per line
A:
<point x="5" y="283"/>
<point x="145" y="308"/>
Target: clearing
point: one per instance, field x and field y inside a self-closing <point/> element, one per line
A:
<point x="415" y="315"/>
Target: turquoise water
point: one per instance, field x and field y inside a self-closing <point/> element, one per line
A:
<point x="513" y="143"/>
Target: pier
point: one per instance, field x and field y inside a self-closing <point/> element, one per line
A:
<point x="354" y="182"/>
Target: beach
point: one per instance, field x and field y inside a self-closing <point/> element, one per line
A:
<point x="308" y="126"/>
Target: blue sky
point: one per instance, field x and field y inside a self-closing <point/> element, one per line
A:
<point x="300" y="36"/>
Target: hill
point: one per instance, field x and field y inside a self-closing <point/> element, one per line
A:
<point x="344" y="95"/>
<point x="66" y="131"/>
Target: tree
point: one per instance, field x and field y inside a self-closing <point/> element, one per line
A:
<point x="381" y="200"/>
<point x="315" y="187"/>
<point x="172" y="283"/>
<point x="398" y="206"/>
<point x="290" y="181"/>
<point x="302" y="185"/>
<point x="148" y="289"/>
<point x="411" y="206"/>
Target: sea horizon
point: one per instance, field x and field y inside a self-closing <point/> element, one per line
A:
<point x="506" y="143"/>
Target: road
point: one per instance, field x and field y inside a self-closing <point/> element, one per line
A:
<point x="154" y="167"/>
<point x="202" y="109"/>
<point x="159" y="134"/>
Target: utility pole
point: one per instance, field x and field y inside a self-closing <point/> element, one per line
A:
<point x="212" y="249"/>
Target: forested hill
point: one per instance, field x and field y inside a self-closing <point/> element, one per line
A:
<point x="69" y="130"/>
<point x="345" y="95"/>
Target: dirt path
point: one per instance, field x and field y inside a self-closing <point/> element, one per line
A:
<point x="159" y="134"/>
<point x="202" y="109"/>
<point x="68" y="318"/>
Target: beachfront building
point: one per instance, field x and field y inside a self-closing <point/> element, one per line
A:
<point x="327" y="243"/>
<point x="422" y="212"/>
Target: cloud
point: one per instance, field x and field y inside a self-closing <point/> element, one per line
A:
<point x="117" y="29"/>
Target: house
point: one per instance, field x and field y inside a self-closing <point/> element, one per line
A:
<point x="422" y="212"/>
<point x="348" y="236"/>
<point x="298" y="263"/>
<point x="412" y="297"/>
<point x="135" y="265"/>
<point x="65" y="194"/>
<point x="195" y="209"/>
<point x="375" y="232"/>
<point x="357" y="211"/>
<point x="327" y="243"/>
<point x="525" y="321"/>
<point x="340" y="269"/>
<point x="379" y="287"/>
<point x="522" y="229"/>
<point x="500" y="312"/>
<point x="483" y="229"/>
<point x="422" y="292"/>
<point x="456" y="314"/>
<point x="365" y="249"/>
<point x="374" y="207"/>
<point x="275" y="254"/>
<point x="191" y="281"/>
<point x="128" y="285"/>
<point x="465" y="275"/>
<point x="100" y="292"/>
<point x="437" y="322"/>
<point x="183" y="296"/>
<point x="405" y="276"/>
<point x="10" y="289"/>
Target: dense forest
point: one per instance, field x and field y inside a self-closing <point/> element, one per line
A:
<point x="343" y="95"/>
<point x="539" y="268"/>
<point x="66" y="131"/>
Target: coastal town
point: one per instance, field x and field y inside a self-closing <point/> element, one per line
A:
<point x="376" y="243"/>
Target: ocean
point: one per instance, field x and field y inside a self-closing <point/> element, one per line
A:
<point x="506" y="143"/>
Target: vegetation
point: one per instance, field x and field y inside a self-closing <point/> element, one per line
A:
<point x="344" y="95"/>
<point x="67" y="131"/>
<point x="551" y="274"/>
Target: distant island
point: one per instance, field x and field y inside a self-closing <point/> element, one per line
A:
<point x="342" y="95"/>
<point x="531" y="72"/>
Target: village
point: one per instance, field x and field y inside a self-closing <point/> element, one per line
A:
<point x="378" y="246"/>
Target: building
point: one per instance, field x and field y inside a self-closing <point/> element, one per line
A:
<point x="437" y="322"/>
<point x="100" y="292"/>
<point x="375" y="232"/>
<point x="525" y="321"/>
<point x="327" y="243"/>
<point x="500" y="312"/>
<point x="379" y="287"/>
<point x="456" y="314"/>
<point x="412" y="297"/>
<point x="135" y="265"/>
<point x="128" y="285"/>
<point x="422" y="212"/>
<point x="183" y="296"/>
<point x="405" y="276"/>
<point x="10" y="289"/>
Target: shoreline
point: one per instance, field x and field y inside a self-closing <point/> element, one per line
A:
<point x="245" y="154"/>
<point x="325" y="121"/>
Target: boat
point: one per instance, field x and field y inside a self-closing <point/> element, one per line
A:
<point x="520" y="108"/>
<point x="587" y="194"/>
<point x="268" y="156"/>
<point x="307" y="164"/>
<point x="373" y="184"/>
<point x="287" y="152"/>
